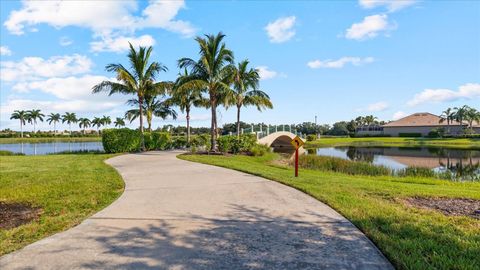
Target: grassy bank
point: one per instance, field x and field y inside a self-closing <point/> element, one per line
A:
<point x="411" y="238"/>
<point x="67" y="188"/>
<point x="396" y="141"/>
<point x="50" y="139"/>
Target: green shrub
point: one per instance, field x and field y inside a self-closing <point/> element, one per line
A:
<point x="311" y="137"/>
<point x="120" y="140"/>
<point x="416" y="172"/>
<point x="10" y="153"/>
<point x="259" y="150"/>
<point x="334" y="164"/>
<point x="179" y="142"/>
<point x="233" y="144"/>
<point x="411" y="135"/>
<point x="200" y="140"/>
<point x="156" y="140"/>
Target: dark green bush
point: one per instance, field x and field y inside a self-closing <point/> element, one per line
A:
<point x="120" y="140"/>
<point x="200" y="140"/>
<point x="411" y="135"/>
<point x="157" y="140"/>
<point x="233" y="144"/>
<point x="259" y="150"/>
<point x="311" y="137"/>
<point x="179" y="142"/>
<point x="10" y="153"/>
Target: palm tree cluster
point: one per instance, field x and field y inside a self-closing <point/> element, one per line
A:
<point x="212" y="80"/>
<point x="465" y="115"/>
<point x="35" y="116"/>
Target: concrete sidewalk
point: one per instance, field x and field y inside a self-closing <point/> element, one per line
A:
<point x="175" y="214"/>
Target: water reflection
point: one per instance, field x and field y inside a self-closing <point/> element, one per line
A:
<point x="51" y="147"/>
<point x="460" y="163"/>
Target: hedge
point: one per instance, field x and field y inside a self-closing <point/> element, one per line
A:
<point x="128" y="140"/>
<point x="414" y="135"/>
<point x="233" y="144"/>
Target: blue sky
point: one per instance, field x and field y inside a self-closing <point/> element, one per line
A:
<point x="336" y="60"/>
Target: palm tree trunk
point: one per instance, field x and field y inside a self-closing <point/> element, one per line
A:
<point x="188" y="123"/>
<point x="238" y="121"/>
<point x="140" y="109"/>
<point x="54" y="128"/>
<point x="34" y="122"/>
<point x="21" y="129"/>
<point x="213" y="132"/>
<point x="70" y="129"/>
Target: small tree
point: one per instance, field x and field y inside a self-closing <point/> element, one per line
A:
<point x="22" y="116"/>
<point x="54" y="118"/>
<point x="69" y="118"/>
<point x="84" y="123"/>
<point x="32" y="117"/>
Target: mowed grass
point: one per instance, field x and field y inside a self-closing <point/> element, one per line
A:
<point x="68" y="188"/>
<point x="470" y="143"/>
<point x="50" y="139"/>
<point x="410" y="238"/>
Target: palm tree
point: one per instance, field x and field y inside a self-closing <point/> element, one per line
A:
<point x="186" y="95"/>
<point x="245" y="82"/>
<point x="84" y="123"/>
<point x="448" y="116"/>
<point x="119" y="122"/>
<point x="22" y="116"/>
<point x="134" y="81"/>
<point x="54" y="118"/>
<point x="32" y="117"/>
<point x="106" y="120"/>
<point x="460" y="114"/>
<point x="152" y="106"/>
<point x="472" y="115"/>
<point x="212" y="73"/>
<point x="370" y="119"/>
<point x="97" y="122"/>
<point x="69" y="118"/>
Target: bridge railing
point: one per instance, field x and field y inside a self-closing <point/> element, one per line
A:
<point x="263" y="131"/>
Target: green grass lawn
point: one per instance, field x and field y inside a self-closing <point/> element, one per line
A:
<point x="410" y="238"/>
<point x="50" y="139"/>
<point x="68" y="188"/>
<point x="396" y="141"/>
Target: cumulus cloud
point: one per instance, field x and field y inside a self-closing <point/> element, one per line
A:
<point x="120" y="44"/>
<point x="100" y="16"/>
<point x="398" y="115"/>
<point x="266" y="73"/>
<point x="375" y="107"/>
<point x="281" y="30"/>
<point x="341" y="62"/>
<point x="466" y="91"/>
<point x="370" y="27"/>
<point x="4" y="50"/>
<point x="33" y="68"/>
<point x="391" y="5"/>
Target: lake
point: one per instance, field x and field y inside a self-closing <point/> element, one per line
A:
<point x="464" y="163"/>
<point x="51" y="147"/>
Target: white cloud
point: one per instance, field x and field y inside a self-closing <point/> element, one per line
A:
<point x="377" y="107"/>
<point x="34" y="68"/>
<point x="4" y="50"/>
<point x="281" y="30"/>
<point x="466" y="91"/>
<point x="120" y="44"/>
<point x="370" y="27"/>
<point x="340" y="63"/>
<point x="265" y="73"/>
<point x="398" y="115"/>
<point x="391" y="5"/>
<point x="65" y="41"/>
<point x="104" y="18"/>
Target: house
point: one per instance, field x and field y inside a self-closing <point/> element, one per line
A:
<point x="422" y="123"/>
<point x="369" y="130"/>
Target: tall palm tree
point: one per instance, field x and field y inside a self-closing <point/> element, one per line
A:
<point x="54" y="118"/>
<point x="370" y="119"/>
<point x="212" y="72"/>
<point x="97" y="122"/>
<point x="84" y="123"/>
<point x="119" y="122"/>
<point x="106" y="120"/>
<point x="69" y="118"/>
<point x="186" y="95"/>
<point x="134" y="81"/>
<point x="460" y="114"/>
<point x="472" y="115"/>
<point x="246" y="92"/>
<point x="22" y="116"/>
<point x="33" y="115"/>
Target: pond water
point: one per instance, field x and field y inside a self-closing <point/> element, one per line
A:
<point x="51" y="147"/>
<point x="464" y="163"/>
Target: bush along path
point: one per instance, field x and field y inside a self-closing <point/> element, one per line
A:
<point x="185" y="215"/>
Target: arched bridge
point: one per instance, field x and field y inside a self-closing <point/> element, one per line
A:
<point x="278" y="139"/>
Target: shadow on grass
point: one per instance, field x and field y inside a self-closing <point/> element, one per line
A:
<point x="248" y="238"/>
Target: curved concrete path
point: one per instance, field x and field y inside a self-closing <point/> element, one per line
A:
<point x="176" y="214"/>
